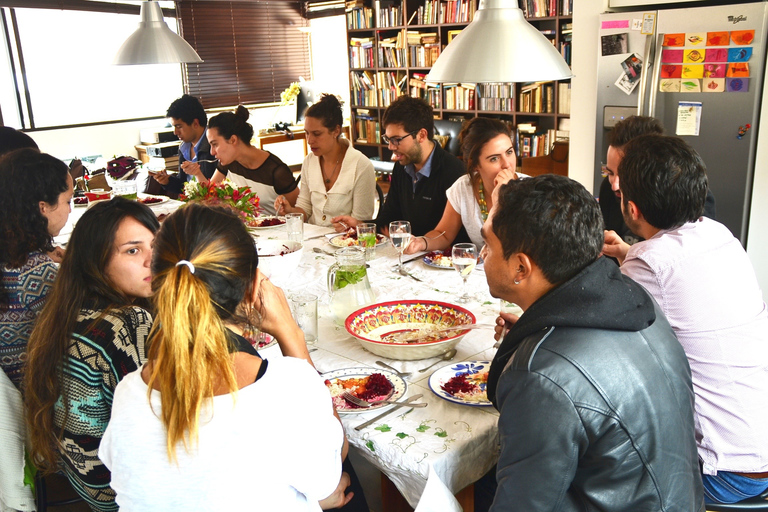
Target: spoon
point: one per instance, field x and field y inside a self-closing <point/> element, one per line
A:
<point x="416" y="335"/>
<point x="445" y="357"/>
<point x="323" y="251"/>
<point x="400" y="374"/>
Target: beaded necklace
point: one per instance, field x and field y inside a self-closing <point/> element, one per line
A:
<point x="481" y="201"/>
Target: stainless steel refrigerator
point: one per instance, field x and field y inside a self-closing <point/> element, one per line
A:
<point x="700" y="71"/>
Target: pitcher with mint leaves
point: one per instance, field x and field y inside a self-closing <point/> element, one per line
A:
<point x="348" y="285"/>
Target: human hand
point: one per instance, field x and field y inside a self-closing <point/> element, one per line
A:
<point x="193" y="169"/>
<point x="160" y="176"/>
<point x="504" y="323"/>
<point x="503" y="177"/>
<point x="57" y="254"/>
<point x="277" y="320"/>
<point x="615" y="247"/>
<point x="338" y="498"/>
<point x="281" y="205"/>
<point x="344" y="222"/>
<point x="417" y="244"/>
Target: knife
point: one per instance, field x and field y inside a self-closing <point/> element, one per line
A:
<point x="400" y="404"/>
<point x="319" y="236"/>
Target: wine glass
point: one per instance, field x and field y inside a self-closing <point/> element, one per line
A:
<point x="400" y="234"/>
<point x="464" y="259"/>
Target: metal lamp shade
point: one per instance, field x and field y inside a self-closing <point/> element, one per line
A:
<point x="153" y="42"/>
<point x="499" y="46"/>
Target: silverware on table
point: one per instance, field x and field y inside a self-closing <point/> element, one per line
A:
<point x="349" y="397"/>
<point x="420" y="334"/>
<point x="317" y="236"/>
<point x="406" y="403"/>
<point x="400" y="374"/>
<point x="445" y="357"/>
<point x="323" y="251"/>
<point x="414" y="258"/>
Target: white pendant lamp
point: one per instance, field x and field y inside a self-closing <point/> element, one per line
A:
<point x="499" y="46"/>
<point x="153" y="42"/>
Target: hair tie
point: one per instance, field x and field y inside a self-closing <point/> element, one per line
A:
<point x="188" y="264"/>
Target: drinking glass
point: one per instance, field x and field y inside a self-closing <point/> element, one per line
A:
<point x="366" y="238"/>
<point x="304" y="309"/>
<point x="294" y="222"/>
<point x="400" y="234"/>
<point x="464" y="258"/>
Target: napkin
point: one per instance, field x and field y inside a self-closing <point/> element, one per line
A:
<point x="436" y="496"/>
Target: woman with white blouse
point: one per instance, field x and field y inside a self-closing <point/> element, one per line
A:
<point x="336" y="179"/>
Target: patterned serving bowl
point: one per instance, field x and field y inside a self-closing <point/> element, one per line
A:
<point x="373" y="322"/>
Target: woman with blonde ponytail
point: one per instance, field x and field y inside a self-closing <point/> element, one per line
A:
<point x="204" y="425"/>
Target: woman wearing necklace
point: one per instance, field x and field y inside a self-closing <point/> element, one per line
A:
<point x="489" y="152"/>
<point x="336" y="179"/>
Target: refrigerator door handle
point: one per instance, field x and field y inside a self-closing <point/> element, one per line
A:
<point x="648" y="55"/>
<point x="655" y="78"/>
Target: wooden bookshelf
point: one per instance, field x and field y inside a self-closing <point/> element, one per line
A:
<point x="393" y="43"/>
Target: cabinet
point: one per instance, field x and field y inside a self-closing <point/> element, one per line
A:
<point x="393" y="43"/>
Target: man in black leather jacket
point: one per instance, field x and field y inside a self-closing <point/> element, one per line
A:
<point x="593" y="389"/>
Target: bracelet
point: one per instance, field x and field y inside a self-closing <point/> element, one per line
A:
<point x="426" y="243"/>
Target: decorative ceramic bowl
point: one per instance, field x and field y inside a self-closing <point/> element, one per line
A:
<point x="278" y="259"/>
<point x="373" y="322"/>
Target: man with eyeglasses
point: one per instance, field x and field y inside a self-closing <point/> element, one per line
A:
<point x="610" y="197"/>
<point x="423" y="170"/>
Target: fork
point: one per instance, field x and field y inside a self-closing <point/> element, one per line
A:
<point x="349" y="397"/>
<point x="400" y="374"/>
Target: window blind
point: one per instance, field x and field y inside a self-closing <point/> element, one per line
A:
<point x="251" y="51"/>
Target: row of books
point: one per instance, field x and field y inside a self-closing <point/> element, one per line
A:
<point x="541" y="8"/>
<point x="392" y="57"/>
<point x="361" y="53"/>
<point x="459" y="97"/>
<point x="363" y="88"/>
<point x="564" y="98"/>
<point x="538" y="97"/>
<point x="452" y="11"/>
<point x="566" y="35"/>
<point x="423" y="56"/>
<point x="529" y="141"/>
<point x="497" y="97"/>
<point x="367" y="127"/>
<point x="360" y="18"/>
<point x="388" y="13"/>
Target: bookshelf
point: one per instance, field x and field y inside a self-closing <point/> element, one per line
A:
<point x="393" y="44"/>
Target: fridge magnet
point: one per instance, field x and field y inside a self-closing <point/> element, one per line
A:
<point x="672" y="56"/>
<point x="625" y="85"/>
<point x="669" y="85"/>
<point x="693" y="71"/>
<point x="717" y="38"/>
<point x="716" y="55"/>
<point x="632" y="66"/>
<point x="690" y="85"/>
<point x="649" y="24"/>
<point x="696" y="38"/>
<point x="693" y="56"/>
<point x="688" y="118"/>
<point x="673" y="71"/>
<point x="743" y="130"/>
<point x="674" y="40"/>
<point x="737" y="70"/>
<point x="737" y="84"/>
<point x="713" y="85"/>
<point x="614" y="44"/>
<point x="739" y="54"/>
<point x="714" y="70"/>
<point x="742" y="37"/>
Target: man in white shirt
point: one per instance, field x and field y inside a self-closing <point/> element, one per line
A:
<point x="705" y="284"/>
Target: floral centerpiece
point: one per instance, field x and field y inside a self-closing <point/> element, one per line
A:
<point x="286" y="97"/>
<point x="239" y="199"/>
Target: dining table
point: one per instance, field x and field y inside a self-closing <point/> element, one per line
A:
<point x="429" y="453"/>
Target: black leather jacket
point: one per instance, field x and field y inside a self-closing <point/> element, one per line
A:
<point x="593" y="417"/>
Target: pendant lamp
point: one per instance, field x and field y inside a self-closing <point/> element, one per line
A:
<point x="499" y="46"/>
<point x="153" y="42"/>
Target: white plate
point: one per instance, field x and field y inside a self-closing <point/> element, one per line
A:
<point x="163" y="199"/>
<point x="428" y="262"/>
<point x="338" y="240"/>
<point x="443" y="375"/>
<point x="264" y="217"/>
<point x="399" y="386"/>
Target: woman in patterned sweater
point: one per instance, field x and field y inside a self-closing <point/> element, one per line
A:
<point x="91" y="333"/>
<point x="34" y="206"/>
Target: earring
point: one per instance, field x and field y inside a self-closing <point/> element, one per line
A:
<point x="519" y="269"/>
<point x="516" y="281"/>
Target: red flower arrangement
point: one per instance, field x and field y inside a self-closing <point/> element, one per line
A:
<point x="240" y="199"/>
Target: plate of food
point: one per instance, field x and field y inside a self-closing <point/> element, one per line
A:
<point x="462" y="383"/>
<point x="266" y="222"/>
<point x="81" y="201"/>
<point x="349" y="238"/>
<point x="369" y="384"/>
<point x="150" y="200"/>
<point x="438" y="259"/>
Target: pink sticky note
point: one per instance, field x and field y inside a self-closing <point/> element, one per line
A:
<point x="714" y="70"/>
<point x="673" y="56"/>
<point x="716" y="55"/>
<point x="615" y="24"/>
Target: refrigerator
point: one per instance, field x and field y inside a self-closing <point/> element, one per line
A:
<point x="700" y="71"/>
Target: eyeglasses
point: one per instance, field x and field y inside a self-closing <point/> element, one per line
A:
<point x="395" y="141"/>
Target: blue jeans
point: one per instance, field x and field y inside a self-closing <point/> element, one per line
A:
<point x="725" y="487"/>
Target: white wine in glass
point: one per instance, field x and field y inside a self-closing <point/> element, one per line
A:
<point x="464" y="259"/>
<point x="400" y="234"/>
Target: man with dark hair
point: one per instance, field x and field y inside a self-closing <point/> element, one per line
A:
<point x="189" y="121"/>
<point x="704" y="283"/>
<point x="593" y="390"/>
<point x="423" y="170"/>
<point x="618" y="137"/>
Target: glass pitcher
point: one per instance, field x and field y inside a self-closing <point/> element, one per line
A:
<point x="348" y="285"/>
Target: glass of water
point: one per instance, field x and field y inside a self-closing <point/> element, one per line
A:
<point x="304" y="309"/>
<point x="294" y="223"/>
<point x="400" y="235"/>
<point x="366" y="238"/>
<point x="464" y="258"/>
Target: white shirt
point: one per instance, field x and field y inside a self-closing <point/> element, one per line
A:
<point x="705" y="284"/>
<point x="353" y="193"/>
<point x="260" y="452"/>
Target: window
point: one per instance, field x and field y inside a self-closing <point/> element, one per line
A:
<point x="251" y="51"/>
<point x="70" y="80"/>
